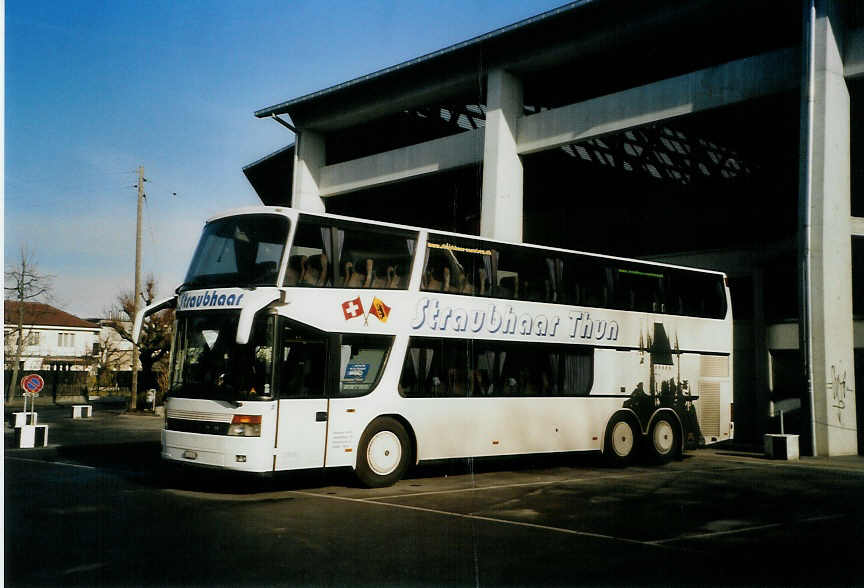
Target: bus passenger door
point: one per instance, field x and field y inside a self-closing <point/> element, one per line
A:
<point x="301" y="380"/>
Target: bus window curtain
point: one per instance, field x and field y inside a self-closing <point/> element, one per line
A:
<point x="556" y="276"/>
<point x="490" y="264"/>
<point x="554" y="361"/>
<point x="577" y="374"/>
<point x="424" y="277"/>
<point x="332" y="240"/>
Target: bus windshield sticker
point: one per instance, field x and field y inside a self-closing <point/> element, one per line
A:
<point x="638" y="273"/>
<point x="451" y="247"/>
<point x="210" y="337"/>
<point x="356" y="372"/>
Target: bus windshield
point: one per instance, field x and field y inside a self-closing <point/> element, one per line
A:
<point x="209" y="364"/>
<point x="239" y="251"/>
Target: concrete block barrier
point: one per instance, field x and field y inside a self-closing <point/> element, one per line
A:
<point x="19" y="419"/>
<point x="31" y="436"/>
<point x="82" y="411"/>
<point x="779" y="446"/>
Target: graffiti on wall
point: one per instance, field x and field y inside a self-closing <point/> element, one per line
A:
<point x="839" y="391"/>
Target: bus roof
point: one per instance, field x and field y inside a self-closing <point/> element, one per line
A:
<point x="293" y="213"/>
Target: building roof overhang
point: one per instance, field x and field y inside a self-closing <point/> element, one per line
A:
<point x="584" y="29"/>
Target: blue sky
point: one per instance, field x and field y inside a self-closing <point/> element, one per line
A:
<point x="95" y="89"/>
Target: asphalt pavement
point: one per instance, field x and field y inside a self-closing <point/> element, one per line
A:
<point x="96" y="508"/>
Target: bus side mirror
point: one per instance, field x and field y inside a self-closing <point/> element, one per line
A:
<point x="254" y="301"/>
<point x="142" y="314"/>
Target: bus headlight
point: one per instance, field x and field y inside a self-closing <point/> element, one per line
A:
<point x="245" y="425"/>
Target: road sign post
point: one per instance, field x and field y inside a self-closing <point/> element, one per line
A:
<point x="32" y="435"/>
<point x="32" y="384"/>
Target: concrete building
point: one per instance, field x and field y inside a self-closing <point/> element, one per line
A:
<point x="721" y="134"/>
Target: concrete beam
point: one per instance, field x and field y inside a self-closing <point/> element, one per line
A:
<point x="400" y="164"/>
<point x="713" y="87"/>
<point x="856" y="223"/>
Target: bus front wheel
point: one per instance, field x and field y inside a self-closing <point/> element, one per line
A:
<point x="622" y="439"/>
<point x="382" y="456"/>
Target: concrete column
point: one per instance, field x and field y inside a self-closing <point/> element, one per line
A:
<point x="826" y="257"/>
<point x="501" y="212"/>
<point x="762" y="358"/>
<point x="308" y="161"/>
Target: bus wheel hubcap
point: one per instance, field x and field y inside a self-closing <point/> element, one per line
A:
<point x="384" y="452"/>
<point x="664" y="437"/>
<point x="622" y="439"/>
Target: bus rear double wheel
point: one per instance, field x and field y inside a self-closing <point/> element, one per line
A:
<point x="664" y="439"/>
<point x="624" y="439"/>
<point x="383" y="453"/>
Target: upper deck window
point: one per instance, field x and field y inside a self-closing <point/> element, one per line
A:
<point x="476" y="267"/>
<point x="483" y="268"/>
<point x="327" y="253"/>
<point x="239" y="251"/>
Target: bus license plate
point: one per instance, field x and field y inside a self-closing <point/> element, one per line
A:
<point x="189" y="454"/>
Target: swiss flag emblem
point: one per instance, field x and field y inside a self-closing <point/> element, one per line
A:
<point x="352" y="308"/>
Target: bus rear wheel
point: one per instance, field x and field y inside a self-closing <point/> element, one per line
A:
<point x="382" y="456"/>
<point x="622" y="440"/>
<point x="665" y="439"/>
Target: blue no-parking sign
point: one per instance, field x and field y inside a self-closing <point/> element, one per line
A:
<point x="32" y="384"/>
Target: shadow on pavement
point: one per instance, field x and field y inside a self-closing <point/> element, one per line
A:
<point x="140" y="462"/>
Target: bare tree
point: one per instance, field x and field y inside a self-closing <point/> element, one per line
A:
<point x="107" y="357"/>
<point x="24" y="283"/>
<point x="154" y="344"/>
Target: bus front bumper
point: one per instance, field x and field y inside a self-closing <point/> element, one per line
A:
<point x="247" y="454"/>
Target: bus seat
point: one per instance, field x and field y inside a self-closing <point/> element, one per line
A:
<point x="370" y="273"/>
<point x="445" y="280"/>
<point x="363" y="274"/>
<point x="435" y="279"/>
<point x="265" y="272"/>
<point x="347" y="274"/>
<point x="316" y="271"/>
<point x="394" y="280"/>
<point x="508" y="287"/>
<point x="459" y="281"/>
<point x="384" y="280"/>
<point x="294" y="270"/>
<point x="304" y="267"/>
<point x="483" y="280"/>
<point x="353" y="278"/>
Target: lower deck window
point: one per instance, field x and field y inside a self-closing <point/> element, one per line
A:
<point x="438" y="367"/>
<point x="362" y="359"/>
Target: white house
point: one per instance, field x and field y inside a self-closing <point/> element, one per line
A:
<point x="52" y="339"/>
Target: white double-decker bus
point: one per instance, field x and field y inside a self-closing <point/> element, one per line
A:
<point x="314" y="340"/>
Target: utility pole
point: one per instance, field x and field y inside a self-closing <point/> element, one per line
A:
<point x="133" y="399"/>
